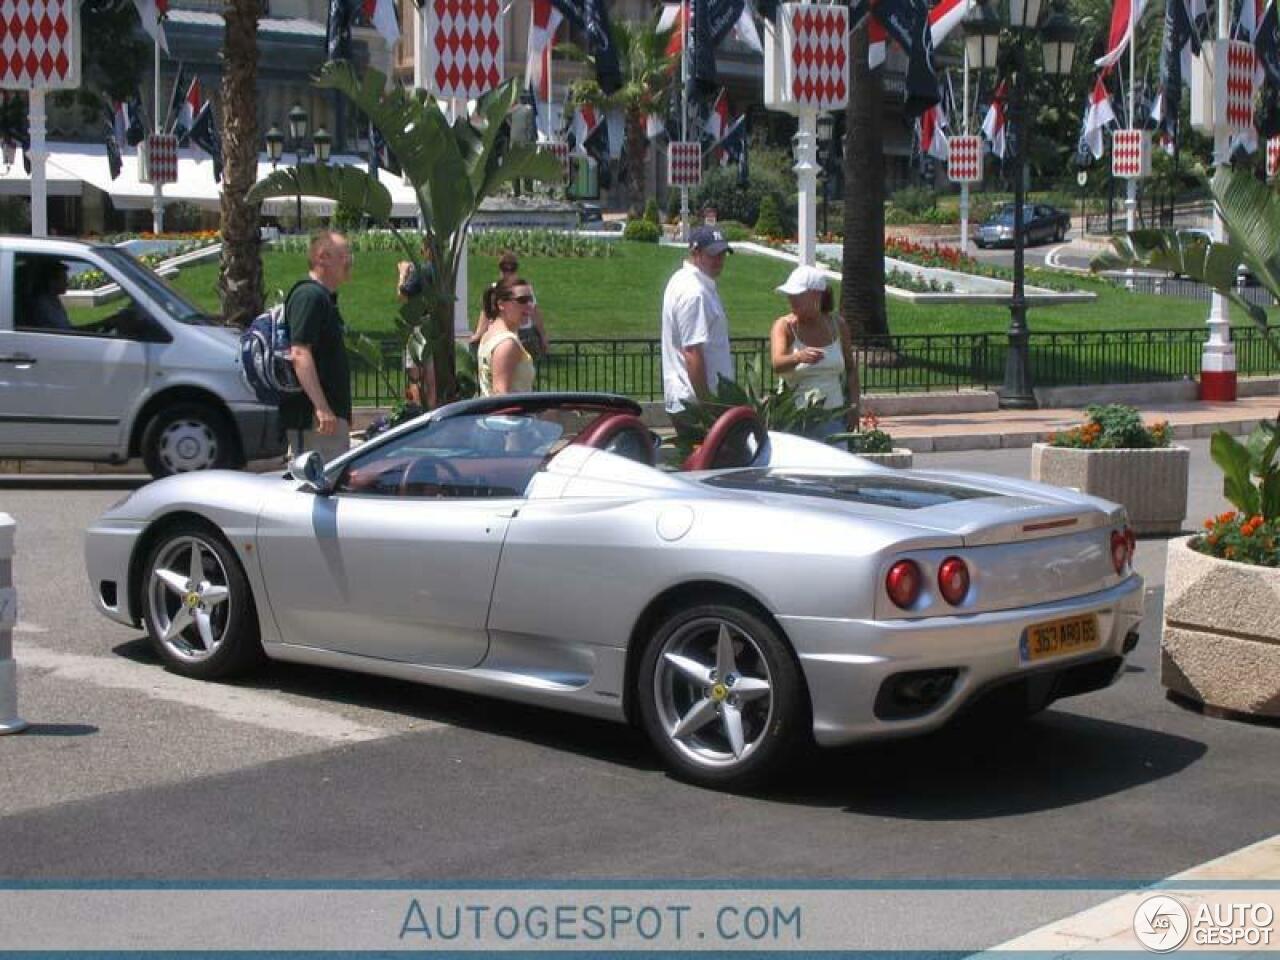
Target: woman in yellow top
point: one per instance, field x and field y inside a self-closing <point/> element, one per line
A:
<point x="505" y="365"/>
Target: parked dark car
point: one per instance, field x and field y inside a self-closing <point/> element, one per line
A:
<point x="1041" y="223"/>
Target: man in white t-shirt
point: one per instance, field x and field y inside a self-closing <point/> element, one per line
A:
<point x="695" y="330"/>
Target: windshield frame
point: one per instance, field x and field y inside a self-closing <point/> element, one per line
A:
<point x="159" y="291"/>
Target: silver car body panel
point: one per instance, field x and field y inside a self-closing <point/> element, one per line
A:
<point x="538" y="598"/>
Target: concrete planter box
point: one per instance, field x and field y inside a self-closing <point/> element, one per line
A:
<point x="899" y="457"/>
<point x="1151" y="484"/>
<point x="1220" y="644"/>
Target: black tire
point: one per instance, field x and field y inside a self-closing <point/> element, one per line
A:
<point x="772" y="727"/>
<point x="232" y="621"/>
<point x="186" y="437"/>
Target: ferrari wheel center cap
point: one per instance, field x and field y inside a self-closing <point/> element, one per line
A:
<point x="719" y="692"/>
<point x="193" y="599"/>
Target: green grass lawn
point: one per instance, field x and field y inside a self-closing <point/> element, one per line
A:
<point x="622" y="296"/>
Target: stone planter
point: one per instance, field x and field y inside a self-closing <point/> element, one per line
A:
<point x="1151" y="484"/>
<point x="1220" y="643"/>
<point x="897" y="457"/>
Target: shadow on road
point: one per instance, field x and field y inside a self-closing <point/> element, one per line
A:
<point x="59" y="730"/>
<point x="974" y="771"/>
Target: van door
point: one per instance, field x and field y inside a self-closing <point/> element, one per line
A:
<point x="72" y="362"/>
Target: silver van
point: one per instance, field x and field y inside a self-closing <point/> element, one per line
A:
<point x="123" y="366"/>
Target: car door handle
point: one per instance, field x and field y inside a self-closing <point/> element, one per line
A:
<point x="22" y="359"/>
<point x="508" y="513"/>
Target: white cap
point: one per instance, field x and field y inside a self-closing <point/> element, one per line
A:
<point x="803" y="279"/>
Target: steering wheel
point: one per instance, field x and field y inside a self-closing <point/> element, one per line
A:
<point x="442" y="472"/>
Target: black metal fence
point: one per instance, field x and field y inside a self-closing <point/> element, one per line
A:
<point x="894" y="364"/>
<point x="1189" y="289"/>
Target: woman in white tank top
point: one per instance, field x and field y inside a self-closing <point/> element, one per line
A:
<point x="812" y="350"/>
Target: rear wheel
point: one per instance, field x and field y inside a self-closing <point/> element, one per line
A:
<point x="197" y="605"/>
<point x="186" y="437"/>
<point x="721" y="696"/>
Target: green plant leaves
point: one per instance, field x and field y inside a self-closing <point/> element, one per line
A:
<point x="1233" y="459"/>
<point x="345" y="185"/>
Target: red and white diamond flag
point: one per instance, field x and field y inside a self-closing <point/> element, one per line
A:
<point x="39" y="44"/>
<point x="1273" y="156"/>
<point x="464" y="47"/>
<point x="159" y="159"/>
<point x="964" y="159"/>
<point x="1131" y="154"/>
<point x="807" y="58"/>
<point x="684" y="165"/>
<point x="1233" y="88"/>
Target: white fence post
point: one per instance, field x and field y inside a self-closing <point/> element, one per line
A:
<point x="10" y="722"/>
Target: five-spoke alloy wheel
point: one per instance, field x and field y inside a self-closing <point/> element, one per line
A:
<point x="720" y="695"/>
<point x="198" y="607"/>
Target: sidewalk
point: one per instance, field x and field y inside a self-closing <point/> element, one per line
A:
<point x="995" y="429"/>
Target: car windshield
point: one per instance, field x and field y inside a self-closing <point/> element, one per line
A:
<point x="170" y="299"/>
<point x="1006" y="214"/>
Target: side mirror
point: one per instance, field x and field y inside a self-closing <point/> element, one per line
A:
<point x="309" y="468"/>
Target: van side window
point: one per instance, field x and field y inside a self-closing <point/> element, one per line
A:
<point x="54" y="294"/>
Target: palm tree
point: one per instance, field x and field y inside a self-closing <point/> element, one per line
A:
<point x="647" y="75"/>
<point x="862" y="291"/>
<point x="453" y="166"/>
<point x="240" y="276"/>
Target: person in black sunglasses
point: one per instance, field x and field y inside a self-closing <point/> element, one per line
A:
<point x="505" y="365"/>
<point x="532" y="333"/>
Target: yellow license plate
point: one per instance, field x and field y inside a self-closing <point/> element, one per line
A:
<point x="1060" y="638"/>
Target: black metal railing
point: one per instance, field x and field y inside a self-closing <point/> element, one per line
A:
<point x="1188" y="289"/>
<point x="893" y="364"/>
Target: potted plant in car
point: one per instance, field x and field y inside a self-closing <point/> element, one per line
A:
<point x="1220" y="641"/>
<point x="1115" y="456"/>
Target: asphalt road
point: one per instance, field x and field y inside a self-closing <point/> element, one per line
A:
<point x="130" y="773"/>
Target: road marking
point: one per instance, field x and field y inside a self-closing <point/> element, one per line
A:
<point x="240" y="704"/>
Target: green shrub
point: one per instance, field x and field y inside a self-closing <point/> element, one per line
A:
<point x="719" y="189"/>
<point x="895" y="217"/>
<point x="914" y="199"/>
<point x="540" y="243"/>
<point x="642" y="231"/>
<point x="347" y="218"/>
<point x="651" y="211"/>
<point x="673" y="205"/>
<point x="1114" y="426"/>
<point x="734" y="231"/>
<point x="769" y="223"/>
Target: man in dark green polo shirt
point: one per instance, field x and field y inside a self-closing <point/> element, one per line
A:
<point x="319" y="418"/>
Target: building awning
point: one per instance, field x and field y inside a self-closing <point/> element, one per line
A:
<point x="72" y="165"/>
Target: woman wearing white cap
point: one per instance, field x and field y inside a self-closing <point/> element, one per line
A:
<point x="812" y="349"/>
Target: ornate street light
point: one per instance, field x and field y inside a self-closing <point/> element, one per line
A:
<point x="275" y="145"/>
<point x="323" y="144"/>
<point x="826" y="130"/>
<point x="1058" y="39"/>
<point x="981" y="26"/>
<point x="297" y="123"/>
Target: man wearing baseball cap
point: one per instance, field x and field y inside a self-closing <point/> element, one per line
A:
<point x="695" y="330"/>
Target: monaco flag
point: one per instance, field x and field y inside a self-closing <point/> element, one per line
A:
<point x="993" y="124"/>
<point x="152" y="13"/>
<point x="544" y="21"/>
<point x="933" y="136"/>
<point x="1121" y="32"/>
<point x="585" y="122"/>
<point x="382" y="14"/>
<point x="945" y="17"/>
<point x="191" y="104"/>
<point x="1098" y="114"/>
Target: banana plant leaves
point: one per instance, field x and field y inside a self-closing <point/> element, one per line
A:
<point x="347" y="186"/>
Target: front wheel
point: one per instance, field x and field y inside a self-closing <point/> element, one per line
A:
<point x="186" y="437"/>
<point x="721" y="696"/>
<point x="197" y="605"/>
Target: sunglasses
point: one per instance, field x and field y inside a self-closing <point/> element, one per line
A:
<point x="525" y="298"/>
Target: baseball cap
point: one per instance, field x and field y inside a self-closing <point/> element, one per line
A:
<point x="709" y="239"/>
<point x="803" y="279"/>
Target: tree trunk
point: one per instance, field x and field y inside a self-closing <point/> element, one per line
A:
<point x="240" y="278"/>
<point x="637" y="154"/>
<point x="862" y="292"/>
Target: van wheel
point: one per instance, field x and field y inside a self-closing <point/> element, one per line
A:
<point x="186" y="437"/>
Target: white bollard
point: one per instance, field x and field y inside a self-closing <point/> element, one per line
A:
<point x="10" y="722"/>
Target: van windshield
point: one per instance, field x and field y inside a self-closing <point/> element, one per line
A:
<point x="170" y="299"/>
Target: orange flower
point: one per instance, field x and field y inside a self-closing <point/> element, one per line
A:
<point x="1257" y="520"/>
<point x="1208" y="524"/>
<point x="1212" y="539"/>
<point x="1226" y="517"/>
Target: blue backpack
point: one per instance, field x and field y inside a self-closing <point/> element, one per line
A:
<point x="264" y="356"/>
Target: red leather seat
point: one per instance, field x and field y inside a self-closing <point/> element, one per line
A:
<point x="729" y="442"/>
<point x="622" y="433"/>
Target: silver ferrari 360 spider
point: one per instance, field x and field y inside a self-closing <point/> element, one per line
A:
<point x="771" y="592"/>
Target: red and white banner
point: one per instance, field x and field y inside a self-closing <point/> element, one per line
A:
<point x="993" y="124"/>
<point x="464" y="47"/>
<point x="1131" y="154"/>
<point x="964" y="159"/>
<point x="945" y="17"/>
<point x="1234" y="87"/>
<point x="152" y="14"/>
<point x="40" y="44"/>
<point x="807" y="62"/>
<point x="933" y="132"/>
<point x="544" y="21"/>
<point x="159" y="159"/>
<point x="585" y="121"/>
<point x="1099" y="114"/>
<point x="1273" y="156"/>
<point x="382" y="14"/>
<point x="1120" y="34"/>
<point x="684" y="164"/>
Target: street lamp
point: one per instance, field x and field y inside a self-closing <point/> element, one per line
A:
<point x="826" y="127"/>
<point x="323" y="143"/>
<point x="275" y="145"/>
<point x="1058" y="38"/>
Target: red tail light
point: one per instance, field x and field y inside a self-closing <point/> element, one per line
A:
<point x="1119" y="550"/>
<point x="953" y="580"/>
<point x="903" y="583"/>
<point x="1130" y="541"/>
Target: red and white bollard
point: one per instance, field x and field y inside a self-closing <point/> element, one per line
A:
<point x="10" y="722"/>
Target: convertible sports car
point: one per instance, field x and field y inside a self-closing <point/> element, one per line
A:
<point x="773" y="591"/>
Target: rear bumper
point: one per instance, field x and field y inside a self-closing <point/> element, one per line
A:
<point x="847" y="662"/>
<point x="260" y="433"/>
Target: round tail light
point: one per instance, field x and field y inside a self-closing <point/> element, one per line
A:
<point x="903" y="583"/>
<point x="953" y="580"/>
<point x="1119" y="550"/>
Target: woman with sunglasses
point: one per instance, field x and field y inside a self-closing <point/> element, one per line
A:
<point x="505" y="364"/>
<point x="532" y="333"/>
